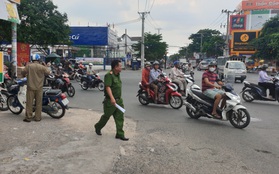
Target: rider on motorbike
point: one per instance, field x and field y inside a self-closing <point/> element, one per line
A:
<point x="58" y="74"/>
<point x="145" y="77"/>
<point x="212" y="90"/>
<point x="264" y="81"/>
<point x="90" y="72"/>
<point x="177" y="76"/>
<point x="153" y="78"/>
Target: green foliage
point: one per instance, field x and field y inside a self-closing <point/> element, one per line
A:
<point x="267" y="44"/>
<point x="212" y="43"/>
<point x="41" y="24"/>
<point x="155" y="49"/>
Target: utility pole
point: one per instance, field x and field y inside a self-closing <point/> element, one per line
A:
<point x="142" y="14"/>
<point x="228" y="12"/>
<point x="159" y="29"/>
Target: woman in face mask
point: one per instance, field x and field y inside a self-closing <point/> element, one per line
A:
<point x="211" y="87"/>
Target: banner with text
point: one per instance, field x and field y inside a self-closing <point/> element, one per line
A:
<point x="8" y="11"/>
<point x="23" y="54"/>
<point x="241" y="39"/>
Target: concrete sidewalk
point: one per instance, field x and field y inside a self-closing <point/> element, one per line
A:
<point x="67" y="145"/>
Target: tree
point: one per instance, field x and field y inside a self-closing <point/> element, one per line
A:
<point x="155" y="49"/>
<point x="211" y="40"/>
<point x="267" y="44"/>
<point x="41" y="24"/>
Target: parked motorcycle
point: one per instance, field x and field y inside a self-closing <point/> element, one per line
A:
<point x="251" y="91"/>
<point x="198" y="105"/>
<point x="54" y="102"/>
<point x="66" y="87"/>
<point x="167" y="94"/>
<point x="3" y="99"/>
<point x="7" y="81"/>
<point x="86" y="83"/>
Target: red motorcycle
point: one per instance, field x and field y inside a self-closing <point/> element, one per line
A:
<point x="167" y="94"/>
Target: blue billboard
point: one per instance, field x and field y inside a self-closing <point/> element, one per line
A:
<point x="93" y="36"/>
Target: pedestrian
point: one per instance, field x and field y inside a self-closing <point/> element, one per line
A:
<point x="35" y="73"/>
<point x="112" y="92"/>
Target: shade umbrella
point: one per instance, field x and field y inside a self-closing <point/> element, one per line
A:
<point x="53" y="57"/>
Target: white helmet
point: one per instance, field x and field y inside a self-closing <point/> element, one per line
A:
<point x="90" y="64"/>
<point x="35" y="57"/>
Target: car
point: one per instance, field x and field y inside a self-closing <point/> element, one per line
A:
<point x="235" y="70"/>
<point x="203" y="65"/>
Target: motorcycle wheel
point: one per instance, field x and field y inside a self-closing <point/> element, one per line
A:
<point x="101" y="86"/>
<point x="192" y="114"/>
<point x="176" y="102"/>
<point x="15" y="110"/>
<point x="142" y="98"/>
<point x="77" y="78"/>
<point x="84" y="85"/>
<point x="58" y="110"/>
<point x="240" y="118"/>
<point x="247" y="95"/>
<point x="3" y="101"/>
<point x="71" y="91"/>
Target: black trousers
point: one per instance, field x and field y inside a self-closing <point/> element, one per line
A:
<point x="269" y="86"/>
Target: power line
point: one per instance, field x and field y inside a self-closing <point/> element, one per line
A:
<point x="128" y="22"/>
<point x="152" y="5"/>
<point x="215" y="19"/>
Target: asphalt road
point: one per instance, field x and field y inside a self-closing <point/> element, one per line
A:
<point x="198" y="146"/>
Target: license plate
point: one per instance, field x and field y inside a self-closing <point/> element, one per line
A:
<point x="65" y="101"/>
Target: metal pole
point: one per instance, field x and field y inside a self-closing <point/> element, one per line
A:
<point x="14" y="49"/>
<point x="142" y="37"/>
<point x="227" y="35"/>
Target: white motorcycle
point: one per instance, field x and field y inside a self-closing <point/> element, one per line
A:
<point x="198" y="105"/>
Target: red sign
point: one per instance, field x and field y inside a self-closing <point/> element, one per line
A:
<point x="238" y="22"/>
<point x="259" y="4"/>
<point x="23" y="54"/>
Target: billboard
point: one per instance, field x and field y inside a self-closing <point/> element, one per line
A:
<point x="23" y="53"/>
<point x="93" y="36"/>
<point x="8" y="11"/>
<point x="241" y="39"/>
<point x="238" y="22"/>
<point x="1" y="67"/>
<point x="259" y="4"/>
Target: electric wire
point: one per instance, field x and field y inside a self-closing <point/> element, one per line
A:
<point x="215" y="20"/>
<point x="152" y="5"/>
<point x="127" y="22"/>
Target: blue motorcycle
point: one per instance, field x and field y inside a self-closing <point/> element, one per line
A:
<point x="54" y="102"/>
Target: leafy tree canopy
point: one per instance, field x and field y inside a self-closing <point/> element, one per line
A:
<point x="155" y="49"/>
<point x="41" y="24"/>
<point x="267" y="44"/>
<point x="212" y="42"/>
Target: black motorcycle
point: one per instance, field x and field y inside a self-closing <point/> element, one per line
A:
<point x="54" y="102"/>
<point x="86" y="83"/>
<point x="251" y="91"/>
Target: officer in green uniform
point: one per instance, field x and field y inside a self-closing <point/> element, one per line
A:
<point x="112" y="96"/>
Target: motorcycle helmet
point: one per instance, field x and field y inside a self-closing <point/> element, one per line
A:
<point x="147" y="64"/>
<point x="212" y="63"/>
<point x="35" y="57"/>
<point x="176" y="63"/>
<point x="90" y="64"/>
<point x="264" y="67"/>
<point x="156" y="63"/>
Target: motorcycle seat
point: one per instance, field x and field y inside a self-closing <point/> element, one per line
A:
<point x="52" y="92"/>
<point x="202" y="96"/>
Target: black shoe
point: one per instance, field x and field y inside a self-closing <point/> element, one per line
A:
<point x="122" y="138"/>
<point x="98" y="132"/>
<point x="26" y="120"/>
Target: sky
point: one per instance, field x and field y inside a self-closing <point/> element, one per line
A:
<point x="176" y="20"/>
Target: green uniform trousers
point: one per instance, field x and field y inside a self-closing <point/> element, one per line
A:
<point x="30" y="96"/>
<point x="118" y="116"/>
